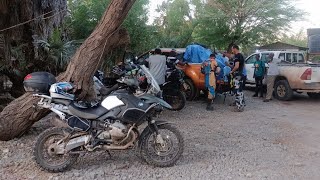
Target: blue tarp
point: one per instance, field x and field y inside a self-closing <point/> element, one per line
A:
<point x="196" y="54"/>
<point x="222" y="65"/>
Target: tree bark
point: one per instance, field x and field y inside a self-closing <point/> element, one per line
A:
<point x="19" y="115"/>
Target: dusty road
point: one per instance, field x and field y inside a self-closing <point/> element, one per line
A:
<point x="275" y="140"/>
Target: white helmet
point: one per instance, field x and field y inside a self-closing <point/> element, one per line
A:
<point x="62" y="90"/>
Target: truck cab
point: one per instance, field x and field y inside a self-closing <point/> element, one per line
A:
<point x="290" y="57"/>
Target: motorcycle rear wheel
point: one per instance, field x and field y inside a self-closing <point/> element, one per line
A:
<point x="45" y="157"/>
<point x="162" y="156"/>
<point x="176" y="100"/>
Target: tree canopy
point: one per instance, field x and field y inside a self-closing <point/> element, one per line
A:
<point x="245" y="22"/>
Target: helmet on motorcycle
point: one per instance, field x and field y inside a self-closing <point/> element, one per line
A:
<point x="61" y="90"/>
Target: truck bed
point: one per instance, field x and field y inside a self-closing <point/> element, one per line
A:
<point x="293" y="73"/>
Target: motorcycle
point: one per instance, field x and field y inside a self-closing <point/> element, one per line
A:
<point x="109" y="125"/>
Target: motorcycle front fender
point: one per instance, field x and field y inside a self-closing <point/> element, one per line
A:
<point x="148" y="129"/>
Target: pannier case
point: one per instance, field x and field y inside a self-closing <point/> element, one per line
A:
<point x="39" y="82"/>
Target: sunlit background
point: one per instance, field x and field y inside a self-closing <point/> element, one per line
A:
<point x="311" y="7"/>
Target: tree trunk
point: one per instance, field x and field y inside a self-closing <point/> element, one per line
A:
<point x="19" y="115"/>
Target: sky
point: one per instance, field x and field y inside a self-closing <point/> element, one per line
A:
<point x="312" y="19"/>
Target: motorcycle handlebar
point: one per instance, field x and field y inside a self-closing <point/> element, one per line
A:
<point x="42" y="96"/>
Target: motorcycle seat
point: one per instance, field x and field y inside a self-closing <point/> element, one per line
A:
<point x="104" y="91"/>
<point x="87" y="113"/>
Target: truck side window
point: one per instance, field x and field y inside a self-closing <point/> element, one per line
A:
<point x="281" y="57"/>
<point x="294" y="57"/>
<point x="251" y="59"/>
<point x="300" y="58"/>
<point x="288" y="57"/>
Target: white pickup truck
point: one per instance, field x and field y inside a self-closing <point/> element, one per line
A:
<point x="295" y="74"/>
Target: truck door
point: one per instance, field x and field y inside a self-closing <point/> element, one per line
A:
<point x="250" y="68"/>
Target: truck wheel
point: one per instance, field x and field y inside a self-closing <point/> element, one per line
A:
<point x="314" y="95"/>
<point x="283" y="90"/>
<point x="191" y="90"/>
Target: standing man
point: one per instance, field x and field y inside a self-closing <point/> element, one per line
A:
<point x="273" y="71"/>
<point x="237" y="71"/>
<point x="208" y="68"/>
<point x="157" y="66"/>
<point x="238" y="65"/>
<point x="259" y="72"/>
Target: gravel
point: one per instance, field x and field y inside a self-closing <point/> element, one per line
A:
<point x="275" y="140"/>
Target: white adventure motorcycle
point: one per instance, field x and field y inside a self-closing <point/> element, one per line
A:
<point x="109" y="125"/>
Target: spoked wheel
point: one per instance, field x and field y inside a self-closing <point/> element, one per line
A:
<point x="176" y="100"/>
<point x="164" y="152"/>
<point x="46" y="152"/>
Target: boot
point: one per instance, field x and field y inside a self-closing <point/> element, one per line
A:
<point x="209" y="105"/>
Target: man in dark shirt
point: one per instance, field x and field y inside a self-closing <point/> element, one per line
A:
<point x="238" y="61"/>
<point x="238" y="65"/>
<point x="237" y="71"/>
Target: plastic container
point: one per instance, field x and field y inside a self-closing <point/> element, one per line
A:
<point x="39" y="82"/>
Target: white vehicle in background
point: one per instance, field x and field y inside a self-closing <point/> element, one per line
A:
<point x="295" y="73"/>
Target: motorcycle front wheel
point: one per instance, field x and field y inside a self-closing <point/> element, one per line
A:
<point x="176" y="100"/>
<point x="45" y="155"/>
<point x="165" y="154"/>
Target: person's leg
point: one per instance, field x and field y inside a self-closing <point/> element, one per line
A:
<point x="273" y="79"/>
<point x="257" y="87"/>
<point x="211" y="91"/>
<point x="270" y="84"/>
<point x="244" y="79"/>
<point x="240" y="83"/>
<point x="261" y="86"/>
<point x="211" y="96"/>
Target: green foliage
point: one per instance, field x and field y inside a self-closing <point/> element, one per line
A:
<point x="135" y="23"/>
<point x="58" y="52"/>
<point x="246" y="23"/>
<point x="85" y="15"/>
<point x="299" y="39"/>
<point x="175" y="24"/>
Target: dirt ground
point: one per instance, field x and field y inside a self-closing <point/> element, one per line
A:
<point x="275" y="140"/>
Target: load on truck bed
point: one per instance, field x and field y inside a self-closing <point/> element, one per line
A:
<point x="294" y="74"/>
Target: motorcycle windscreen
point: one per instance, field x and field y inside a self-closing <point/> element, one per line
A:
<point x="155" y="88"/>
<point x="111" y="102"/>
